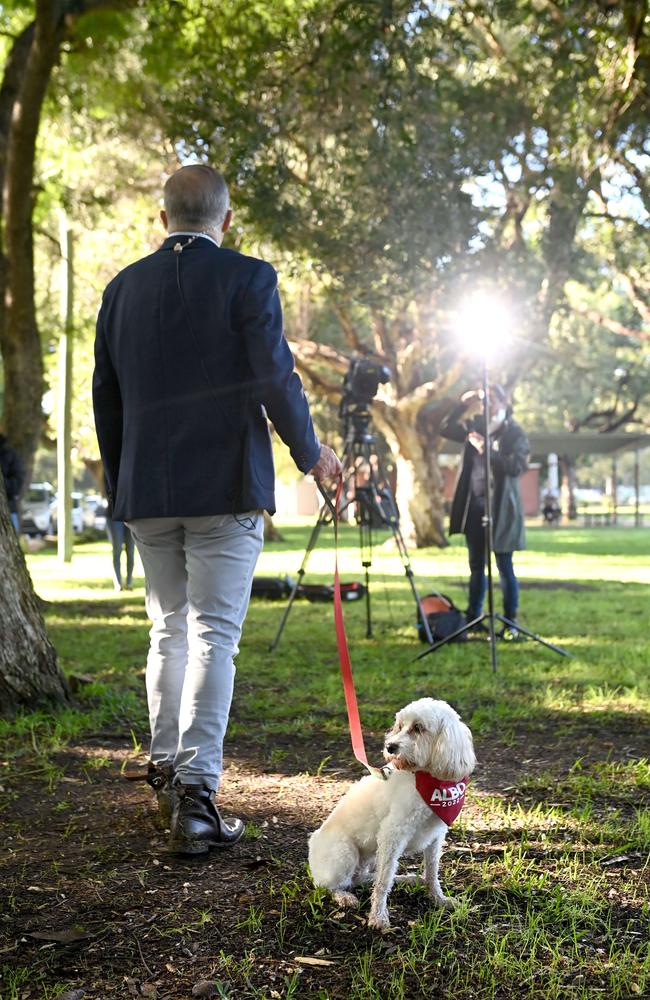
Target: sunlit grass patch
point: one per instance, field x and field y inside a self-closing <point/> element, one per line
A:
<point x="622" y="782"/>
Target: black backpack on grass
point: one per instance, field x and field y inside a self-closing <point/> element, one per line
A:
<point x="443" y="616"/>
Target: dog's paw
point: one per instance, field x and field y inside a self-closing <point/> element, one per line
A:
<point x="445" y="902"/>
<point x="345" y="898"/>
<point x="379" y="921"/>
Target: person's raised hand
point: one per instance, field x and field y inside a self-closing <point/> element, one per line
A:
<point x="327" y="466"/>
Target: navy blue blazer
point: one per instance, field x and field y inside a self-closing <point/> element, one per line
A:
<point x="184" y="380"/>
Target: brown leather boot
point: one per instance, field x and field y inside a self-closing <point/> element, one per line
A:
<point x="197" y="825"/>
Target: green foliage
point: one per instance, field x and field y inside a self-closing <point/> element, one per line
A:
<point x="387" y="157"/>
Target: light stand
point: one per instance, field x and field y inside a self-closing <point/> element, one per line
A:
<point x="490" y="615"/>
<point x="358" y="452"/>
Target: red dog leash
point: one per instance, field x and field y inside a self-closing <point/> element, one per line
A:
<point x="354" y="721"/>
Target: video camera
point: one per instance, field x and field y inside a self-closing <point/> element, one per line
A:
<point x="362" y="381"/>
<point x="360" y="386"/>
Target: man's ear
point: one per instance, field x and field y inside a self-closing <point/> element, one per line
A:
<point x="163" y="218"/>
<point x="225" y="226"/>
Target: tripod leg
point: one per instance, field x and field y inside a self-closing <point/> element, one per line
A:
<point x="406" y="562"/>
<point x="454" y="635"/>
<point x="323" y="518"/>
<point x="516" y="627"/>
<point x="365" y="548"/>
<point x="368" y="609"/>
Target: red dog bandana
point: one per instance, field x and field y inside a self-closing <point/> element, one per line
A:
<point x="444" y="798"/>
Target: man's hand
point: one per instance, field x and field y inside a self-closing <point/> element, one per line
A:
<point x="477" y="441"/>
<point x="327" y="466"/>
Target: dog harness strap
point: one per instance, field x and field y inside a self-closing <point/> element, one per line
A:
<point x="444" y="798"/>
<point x="354" y="722"/>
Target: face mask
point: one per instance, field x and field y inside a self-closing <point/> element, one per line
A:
<point x="497" y="419"/>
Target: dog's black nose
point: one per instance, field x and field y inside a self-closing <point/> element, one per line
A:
<point x="392" y="747"/>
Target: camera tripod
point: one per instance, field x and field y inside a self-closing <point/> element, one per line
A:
<point x="374" y="506"/>
<point x="490" y="616"/>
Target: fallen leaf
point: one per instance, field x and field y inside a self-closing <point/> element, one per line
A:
<point x="73" y="995"/>
<point x="149" y="990"/>
<point x="132" y="986"/>
<point x="308" y="960"/>
<point x="134" y="773"/>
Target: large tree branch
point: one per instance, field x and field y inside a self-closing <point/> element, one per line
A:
<point x="610" y="324"/>
<point x="11" y="81"/>
<point x="331" y="390"/>
<point x="620" y="98"/>
<point x="349" y="332"/>
<point x="635" y="296"/>
<point x="641" y="226"/>
<point x="428" y="391"/>
<point x="491" y="41"/>
<point x="309" y="350"/>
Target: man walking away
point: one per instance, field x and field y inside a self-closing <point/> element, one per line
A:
<point x="190" y="359"/>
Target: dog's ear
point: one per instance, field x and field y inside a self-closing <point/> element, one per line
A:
<point x="454" y="750"/>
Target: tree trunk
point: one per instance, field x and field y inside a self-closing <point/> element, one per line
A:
<point x="65" y="531"/>
<point x="9" y="90"/>
<point x="29" y="674"/>
<point x="21" y="344"/>
<point x="569" y="506"/>
<point x="271" y="533"/>
<point x="419" y="482"/>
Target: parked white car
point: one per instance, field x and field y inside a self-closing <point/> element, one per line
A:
<point x="36" y="518"/>
<point x="94" y="511"/>
<point x="77" y="514"/>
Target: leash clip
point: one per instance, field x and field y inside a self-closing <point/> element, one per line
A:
<point x="382" y="773"/>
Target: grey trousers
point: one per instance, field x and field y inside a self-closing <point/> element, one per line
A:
<point x="198" y="573"/>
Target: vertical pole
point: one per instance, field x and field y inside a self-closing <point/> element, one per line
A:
<point x="614" y="490"/>
<point x="553" y="475"/>
<point x="487" y="520"/>
<point x="637" y="488"/>
<point x="64" y="417"/>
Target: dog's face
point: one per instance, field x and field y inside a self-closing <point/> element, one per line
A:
<point x="429" y="736"/>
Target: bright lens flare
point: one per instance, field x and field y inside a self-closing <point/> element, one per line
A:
<point x="483" y="324"/>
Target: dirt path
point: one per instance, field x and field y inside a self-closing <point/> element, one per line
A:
<point x="93" y="901"/>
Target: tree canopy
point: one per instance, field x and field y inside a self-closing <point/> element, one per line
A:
<point x="388" y="156"/>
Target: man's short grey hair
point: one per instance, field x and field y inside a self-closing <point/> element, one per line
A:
<point x="196" y="197"/>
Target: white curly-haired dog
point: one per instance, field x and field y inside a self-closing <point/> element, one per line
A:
<point x="430" y="756"/>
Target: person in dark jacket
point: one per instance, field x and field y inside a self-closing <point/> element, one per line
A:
<point x="13" y="475"/>
<point x="508" y="459"/>
<point x="190" y="360"/>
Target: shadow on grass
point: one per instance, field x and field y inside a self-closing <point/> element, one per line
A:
<point x="551" y="740"/>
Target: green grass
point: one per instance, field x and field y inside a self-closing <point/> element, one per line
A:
<point x="102" y="636"/>
<point x="547" y="908"/>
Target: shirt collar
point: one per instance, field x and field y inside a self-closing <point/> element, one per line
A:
<point x="183" y="233"/>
